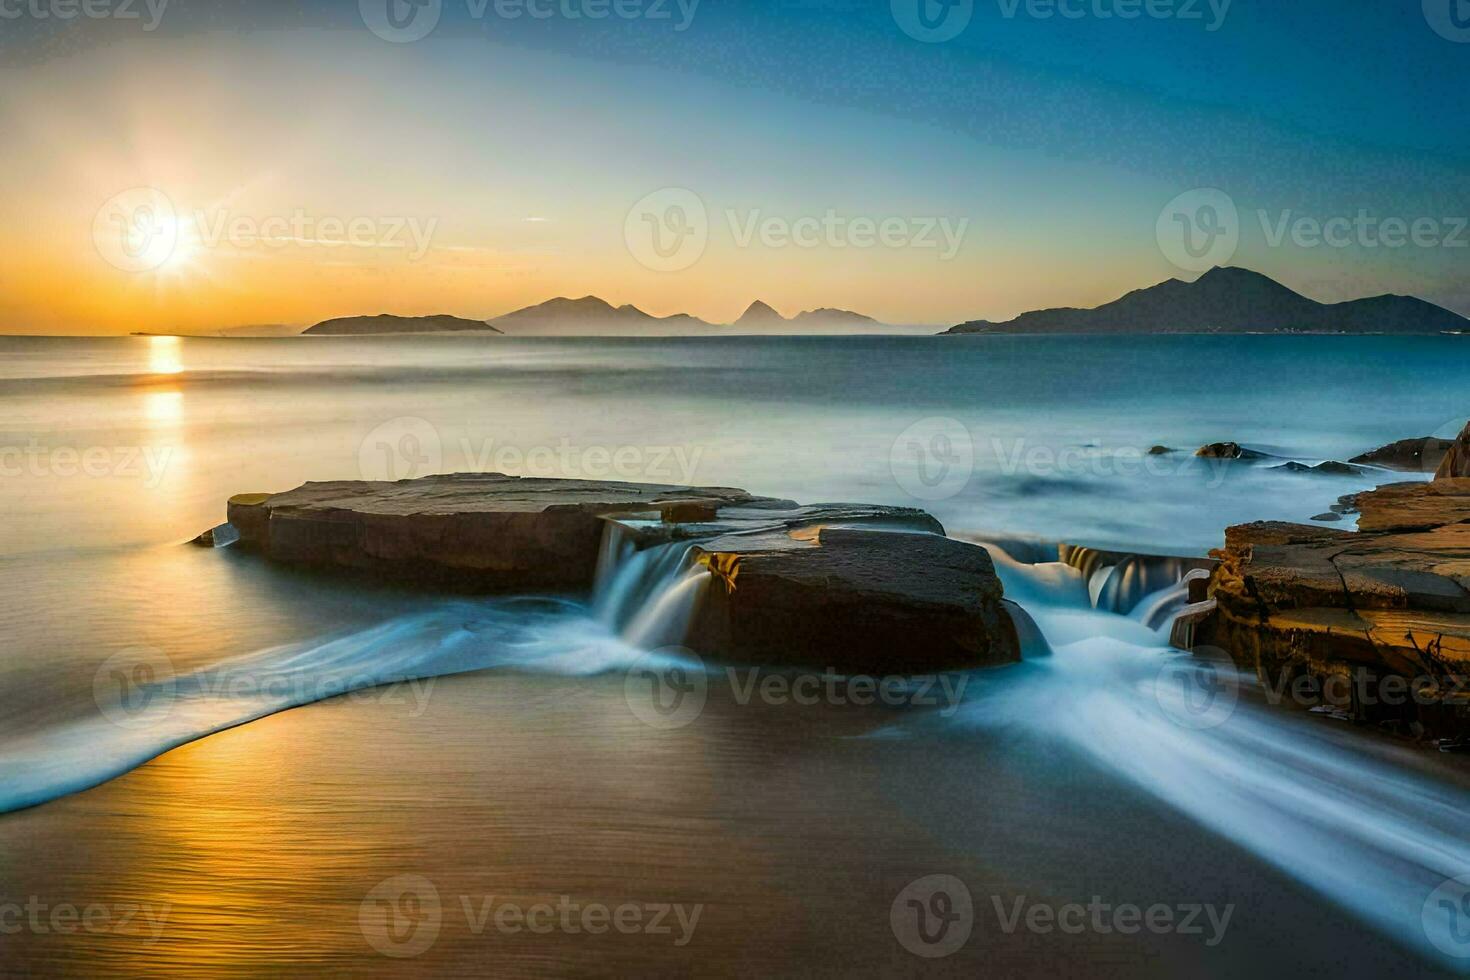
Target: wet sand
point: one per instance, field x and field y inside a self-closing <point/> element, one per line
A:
<point x="793" y="833"/>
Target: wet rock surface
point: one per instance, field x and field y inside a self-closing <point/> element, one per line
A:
<point x="1456" y="463"/>
<point x="870" y="601"/>
<point x="1227" y="450"/>
<point x="1391" y="599"/>
<point x="852" y="587"/>
<point x="478" y="532"/>
<point x="1419" y="455"/>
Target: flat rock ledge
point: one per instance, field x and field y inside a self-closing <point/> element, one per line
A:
<point x="856" y="588"/>
<point x="475" y="532"/>
<point x="1390" y="600"/>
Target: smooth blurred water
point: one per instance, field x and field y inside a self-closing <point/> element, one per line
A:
<point x="1051" y="429"/>
<point x="117" y="451"/>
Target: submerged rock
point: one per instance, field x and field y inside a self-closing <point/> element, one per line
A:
<point x="1159" y="451"/>
<point x="1227" y="450"/>
<point x="217" y="537"/>
<point x="1331" y="467"/>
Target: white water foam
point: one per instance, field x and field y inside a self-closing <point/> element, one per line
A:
<point x="642" y="601"/>
<point x="1362" y="822"/>
<point x="167" y="710"/>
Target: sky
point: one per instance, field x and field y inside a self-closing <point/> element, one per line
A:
<point x="186" y="165"/>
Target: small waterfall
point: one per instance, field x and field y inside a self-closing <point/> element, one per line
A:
<point x="1150" y="590"/>
<point x="664" y="618"/>
<point x="647" y="595"/>
<point x="1158" y="611"/>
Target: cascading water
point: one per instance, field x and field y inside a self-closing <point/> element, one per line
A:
<point x="1371" y="826"/>
<point x="647" y="595"/>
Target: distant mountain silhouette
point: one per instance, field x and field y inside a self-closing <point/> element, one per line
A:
<point x="1232" y="300"/>
<point x="828" y="317"/>
<point x="760" y="315"/>
<point x="388" y="324"/>
<point x="593" y="315"/>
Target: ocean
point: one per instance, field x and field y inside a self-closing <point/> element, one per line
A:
<point x="490" y="747"/>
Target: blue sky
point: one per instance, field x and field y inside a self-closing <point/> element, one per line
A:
<point x="1057" y="138"/>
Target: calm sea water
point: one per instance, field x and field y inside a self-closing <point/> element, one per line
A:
<point x="116" y="451"/>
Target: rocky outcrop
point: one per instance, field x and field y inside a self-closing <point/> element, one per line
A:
<point x="1415" y="455"/>
<point x="869" y="601"/>
<point x="1227" y="450"/>
<point x="859" y="589"/>
<point x="1391" y="600"/>
<point x="480" y="532"/>
<point x="1456" y="462"/>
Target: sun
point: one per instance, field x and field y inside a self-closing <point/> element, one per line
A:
<point x="141" y="231"/>
<point x="175" y="243"/>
